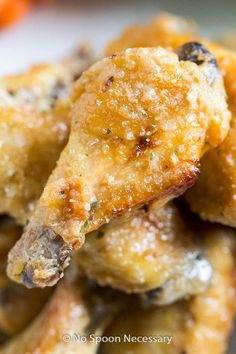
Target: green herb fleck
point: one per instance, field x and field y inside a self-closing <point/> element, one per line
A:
<point x="152" y="156"/>
<point x="94" y="205"/>
<point x="176" y="151"/>
<point x="85" y="227"/>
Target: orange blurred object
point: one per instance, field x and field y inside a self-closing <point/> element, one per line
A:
<point x="44" y="1"/>
<point x="13" y="10"/>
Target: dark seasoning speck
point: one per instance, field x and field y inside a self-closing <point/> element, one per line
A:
<point x="110" y="81"/>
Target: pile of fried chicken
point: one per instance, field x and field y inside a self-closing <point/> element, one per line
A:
<point x="118" y="197"/>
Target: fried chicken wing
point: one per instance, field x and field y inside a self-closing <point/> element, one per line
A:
<point x="34" y="128"/>
<point x="152" y="250"/>
<point x="76" y="310"/>
<point x="18" y="305"/>
<point x="213" y="197"/>
<point x="141" y="120"/>
<point x="200" y="325"/>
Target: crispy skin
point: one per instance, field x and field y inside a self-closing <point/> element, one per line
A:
<point x="199" y="325"/>
<point x="214" y="195"/>
<point x="18" y="305"/>
<point x="34" y="128"/>
<point x="152" y="250"/>
<point x="76" y="308"/>
<point x="140" y="123"/>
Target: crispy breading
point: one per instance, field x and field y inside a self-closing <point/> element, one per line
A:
<point x="34" y="128"/>
<point x="155" y="249"/>
<point x="141" y="120"/>
<point x="214" y="195"/>
<point x="199" y="325"/>
<point x="18" y="305"/>
<point x="76" y="310"/>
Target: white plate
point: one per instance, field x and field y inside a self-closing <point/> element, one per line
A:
<point x="50" y="33"/>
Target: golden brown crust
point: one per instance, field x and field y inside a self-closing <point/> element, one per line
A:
<point x="140" y="121"/>
<point x="202" y="323"/>
<point x="34" y="128"/>
<point x="214" y="195"/>
<point x="152" y="250"/>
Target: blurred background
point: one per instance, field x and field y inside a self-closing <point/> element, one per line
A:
<point x="34" y="31"/>
<point x="40" y="30"/>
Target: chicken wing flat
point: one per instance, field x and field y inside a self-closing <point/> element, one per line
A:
<point x="155" y="249"/>
<point x="213" y="197"/>
<point x="76" y="310"/>
<point x="34" y="128"/>
<point x="18" y="305"/>
<point x="200" y="325"/>
<point x="141" y="120"/>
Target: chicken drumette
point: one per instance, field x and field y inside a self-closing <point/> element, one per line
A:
<point x="214" y="195"/>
